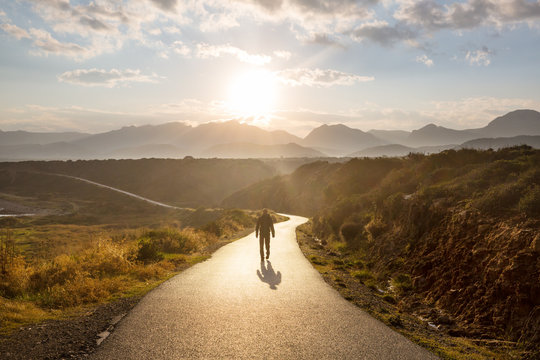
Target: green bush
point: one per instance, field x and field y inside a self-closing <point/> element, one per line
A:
<point x="501" y="197"/>
<point x="402" y="283"/>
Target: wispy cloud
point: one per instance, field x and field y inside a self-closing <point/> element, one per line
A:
<point x="480" y="57"/>
<point x="15" y="31"/>
<point x="110" y="78"/>
<point x="205" y="51"/>
<point x="319" y="77"/>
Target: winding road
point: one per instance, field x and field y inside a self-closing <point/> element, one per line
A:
<point x="234" y="306"/>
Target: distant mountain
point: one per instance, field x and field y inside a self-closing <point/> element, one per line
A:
<point x="40" y="138"/>
<point x="519" y="122"/>
<point x="432" y="134"/>
<point x="502" y="142"/>
<point x="202" y="137"/>
<point x="133" y="136"/>
<point x="148" y="151"/>
<point x="391" y="136"/>
<point x="55" y="151"/>
<point x="250" y="150"/>
<point x="340" y="138"/>
<point x="393" y="150"/>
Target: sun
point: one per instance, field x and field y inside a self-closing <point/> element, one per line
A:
<point x="253" y="93"/>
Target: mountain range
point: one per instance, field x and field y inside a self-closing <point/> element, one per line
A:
<point x="232" y="139"/>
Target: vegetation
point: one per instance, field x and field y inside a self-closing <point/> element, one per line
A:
<point x="116" y="263"/>
<point x="453" y="233"/>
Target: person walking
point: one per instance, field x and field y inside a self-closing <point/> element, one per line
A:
<point x="265" y="225"/>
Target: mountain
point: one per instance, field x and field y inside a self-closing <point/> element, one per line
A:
<point x="502" y="142"/>
<point x="133" y="136"/>
<point x="391" y="136"/>
<point x="250" y="150"/>
<point x="148" y="151"/>
<point x="55" y="151"/>
<point x="340" y="139"/>
<point x="204" y="136"/>
<point x="519" y="122"/>
<point x="40" y="138"/>
<point x="432" y="134"/>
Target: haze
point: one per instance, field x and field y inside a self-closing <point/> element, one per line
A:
<point x="291" y="65"/>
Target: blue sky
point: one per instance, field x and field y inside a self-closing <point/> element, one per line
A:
<point x="285" y="64"/>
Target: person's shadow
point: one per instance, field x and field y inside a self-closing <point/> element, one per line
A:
<point x="267" y="275"/>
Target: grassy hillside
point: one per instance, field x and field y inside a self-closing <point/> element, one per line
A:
<point x="452" y="237"/>
<point x="182" y="182"/>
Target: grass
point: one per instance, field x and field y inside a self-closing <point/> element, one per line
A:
<point x="93" y="264"/>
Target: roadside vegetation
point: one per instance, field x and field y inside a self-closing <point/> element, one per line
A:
<point x="451" y="239"/>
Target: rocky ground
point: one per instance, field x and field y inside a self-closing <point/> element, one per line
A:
<point x="423" y="324"/>
<point x="72" y="338"/>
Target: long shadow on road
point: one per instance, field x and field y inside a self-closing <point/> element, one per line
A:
<point x="268" y="275"/>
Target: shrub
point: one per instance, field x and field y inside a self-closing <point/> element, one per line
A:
<point x="362" y="275"/>
<point x="402" y="283"/>
<point x="530" y="202"/>
<point x="351" y="232"/>
<point x="501" y="197"/>
<point x="148" y="251"/>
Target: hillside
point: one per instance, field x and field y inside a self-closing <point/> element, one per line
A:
<point x="455" y="231"/>
<point x="519" y="122"/>
<point x="181" y="182"/>
<point x="502" y="142"/>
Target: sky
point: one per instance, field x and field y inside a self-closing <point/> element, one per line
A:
<point x="94" y="66"/>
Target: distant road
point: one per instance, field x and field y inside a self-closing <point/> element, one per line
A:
<point x="233" y="306"/>
<point x="122" y="191"/>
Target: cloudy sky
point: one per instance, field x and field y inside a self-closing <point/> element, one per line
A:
<point x="291" y="64"/>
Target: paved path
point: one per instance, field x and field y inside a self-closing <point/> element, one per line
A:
<point x="232" y="306"/>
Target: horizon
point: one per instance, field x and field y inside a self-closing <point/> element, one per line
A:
<point x="241" y="122"/>
<point x="389" y="65"/>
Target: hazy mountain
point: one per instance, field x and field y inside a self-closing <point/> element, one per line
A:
<point x="340" y="138"/>
<point x="148" y="151"/>
<point x="399" y="150"/>
<point x="502" y="142"/>
<point x="391" y="136"/>
<point x="24" y="137"/>
<point x="432" y="134"/>
<point x="207" y="135"/>
<point x="55" y="151"/>
<point x="250" y="150"/>
<point x="133" y="136"/>
<point x="519" y="122"/>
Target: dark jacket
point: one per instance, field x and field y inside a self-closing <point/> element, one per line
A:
<point x="265" y="224"/>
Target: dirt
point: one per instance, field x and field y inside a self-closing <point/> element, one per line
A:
<point x="72" y="338"/>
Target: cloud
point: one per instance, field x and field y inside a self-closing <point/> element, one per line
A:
<point x="110" y="79"/>
<point x="15" y="31"/>
<point x="319" y="77"/>
<point x="205" y="51"/>
<point x="424" y="59"/>
<point x="480" y="57"/>
<point x="165" y="5"/>
<point x="49" y="45"/>
<point x="286" y="55"/>
<point x="383" y="33"/>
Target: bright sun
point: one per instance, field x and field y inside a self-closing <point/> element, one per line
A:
<point x="253" y="93"/>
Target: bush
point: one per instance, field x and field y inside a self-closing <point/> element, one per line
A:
<point x="402" y="283"/>
<point x="502" y="197"/>
<point x="362" y="275"/>
<point x="530" y="202"/>
<point x="376" y="227"/>
<point x="148" y="251"/>
<point x="352" y="232"/>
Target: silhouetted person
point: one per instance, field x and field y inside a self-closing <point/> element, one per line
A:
<point x="265" y="225"/>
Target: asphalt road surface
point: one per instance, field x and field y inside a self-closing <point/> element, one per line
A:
<point x="233" y="306"/>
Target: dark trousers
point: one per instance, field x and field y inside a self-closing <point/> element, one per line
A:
<point x="264" y="240"/>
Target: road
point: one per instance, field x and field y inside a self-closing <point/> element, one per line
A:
<point x="234" y="306"/>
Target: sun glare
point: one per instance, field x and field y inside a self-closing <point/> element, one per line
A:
<point x="253" y="93"/>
